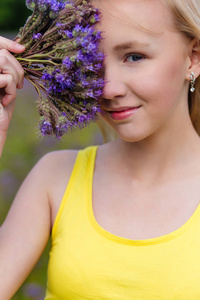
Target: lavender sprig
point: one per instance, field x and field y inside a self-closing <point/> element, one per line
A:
<point x="63" y="62"/>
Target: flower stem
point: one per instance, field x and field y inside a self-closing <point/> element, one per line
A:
<point x="49" y="62"/>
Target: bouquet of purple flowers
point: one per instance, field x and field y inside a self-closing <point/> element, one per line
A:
<point x="63" y="62"/>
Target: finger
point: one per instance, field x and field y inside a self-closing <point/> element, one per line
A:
<point x="4" y="119"/>
<point x="6" y="116"/>
<point x="9" y="109"/>
<point x="8" y="98"/>
<point x="8" y="89"/>
<point x="9" y="65"/>
<point x="11" y="45"/>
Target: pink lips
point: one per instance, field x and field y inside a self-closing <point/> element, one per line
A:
<point x="123" y="113"/>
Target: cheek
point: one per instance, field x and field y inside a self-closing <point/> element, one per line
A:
<point x="161" y="83"/>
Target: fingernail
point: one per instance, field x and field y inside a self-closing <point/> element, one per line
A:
<point x="19" y="46"/>
<point x="20" y="85"/>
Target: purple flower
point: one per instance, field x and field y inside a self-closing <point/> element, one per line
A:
<point x="45" y="128"/>
<point x="68" y="33"/>
<point x="95" y="18"/>
<point x="59" y="131"/>
<point x="46" y="76"/>
<point x="96" y="109"/>
<point x="67" y="62"/>
<point x="37" y="36"/>
<point x="53" y="5"/>
<point x="66" y="66"/>
<point x="82" y="118"/>
<point x="78" y="28"/>
<point x="80" y="56"/>
<point x="56" y="5"/>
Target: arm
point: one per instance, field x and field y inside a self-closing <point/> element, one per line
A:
<point x="25" y="231"/>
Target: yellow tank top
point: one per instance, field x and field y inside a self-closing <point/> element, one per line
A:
<point x="89" y="263"/>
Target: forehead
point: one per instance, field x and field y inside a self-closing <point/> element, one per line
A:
<point x="151" y="16"/>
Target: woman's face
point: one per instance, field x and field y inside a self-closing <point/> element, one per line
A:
<point x="146" y="68"/>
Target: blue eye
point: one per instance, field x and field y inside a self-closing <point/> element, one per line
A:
<point x="134" y="57"/>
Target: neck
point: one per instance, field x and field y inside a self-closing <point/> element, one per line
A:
<point x="160" y="156"/>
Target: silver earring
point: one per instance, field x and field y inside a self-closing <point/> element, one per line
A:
<point x="192" y="82"/>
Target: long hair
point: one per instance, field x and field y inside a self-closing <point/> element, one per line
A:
<point x="187" y="20"/>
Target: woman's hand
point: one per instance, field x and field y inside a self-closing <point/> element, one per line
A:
<point x="11" y="78"/>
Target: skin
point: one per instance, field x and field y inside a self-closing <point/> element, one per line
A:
<point x="156" y="140"/>
<point x="158" y="151"/>
<point x="11" y="79"/>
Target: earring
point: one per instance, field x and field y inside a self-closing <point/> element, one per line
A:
<point x="192" y="82"/>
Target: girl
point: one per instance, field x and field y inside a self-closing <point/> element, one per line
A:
<point x="125" y="216"/>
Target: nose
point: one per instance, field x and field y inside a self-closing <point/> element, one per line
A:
<point x="115" y="86"/>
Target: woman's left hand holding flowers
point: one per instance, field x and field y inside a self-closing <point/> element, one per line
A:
<point x="11" y="78"/>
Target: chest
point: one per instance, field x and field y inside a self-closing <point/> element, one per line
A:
<point x="98" y="273"/>
<point x="131" y="211"/>
<point x="86" y="263"/>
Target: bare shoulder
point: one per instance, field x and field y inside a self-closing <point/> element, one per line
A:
<point x="57" y="163"/>
<point x="52" y="168"/>
<point x="55" y="169"/>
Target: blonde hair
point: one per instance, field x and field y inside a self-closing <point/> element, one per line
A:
<point x="187" y="20"/>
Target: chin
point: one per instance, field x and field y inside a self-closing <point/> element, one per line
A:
<point x="130" y="133"/>
<point x="132" y="137"/>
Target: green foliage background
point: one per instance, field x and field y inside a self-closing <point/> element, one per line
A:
<point x="13" y="14"/>
<point x="24" y="146"/>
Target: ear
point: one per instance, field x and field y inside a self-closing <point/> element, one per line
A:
<point x="194" y="59"/>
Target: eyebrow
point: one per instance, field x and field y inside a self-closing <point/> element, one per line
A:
<point x="128" y="45"/>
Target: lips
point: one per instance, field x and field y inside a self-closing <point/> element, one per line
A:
<point x="123" y="113"/>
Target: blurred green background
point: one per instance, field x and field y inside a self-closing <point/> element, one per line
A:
<point x="24" y="146"/>
<point x="13" y="14"/>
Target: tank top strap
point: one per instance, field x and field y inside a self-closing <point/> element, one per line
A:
<point x="80" y="179"/>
